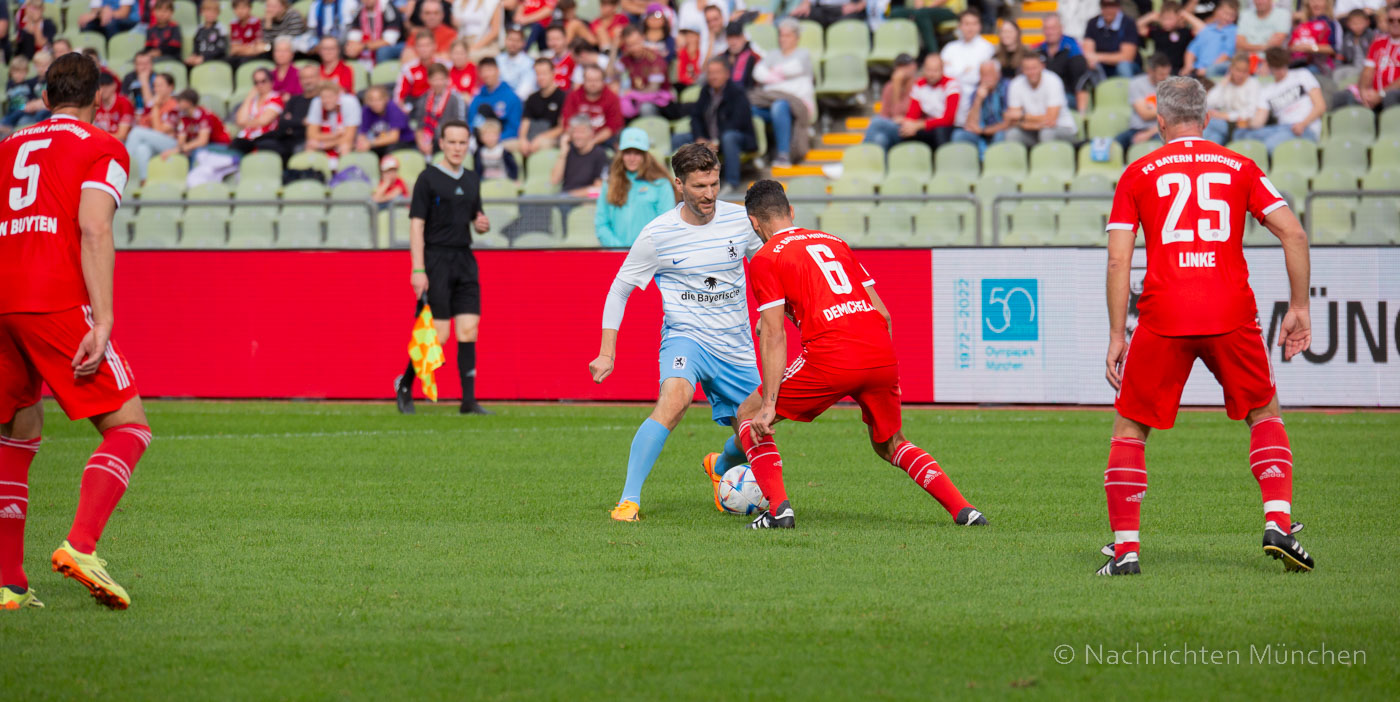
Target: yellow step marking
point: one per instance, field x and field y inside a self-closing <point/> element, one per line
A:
<point x="857" y="124"/>
<point x="842" y="139"/>
<point x="795" y="171"/>
<point x="1037" y="6"/>
<point x="826" y="155"/>
<point x="1030" y="23"/>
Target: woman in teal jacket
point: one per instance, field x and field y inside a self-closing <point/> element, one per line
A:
<point x="637" y="191"/>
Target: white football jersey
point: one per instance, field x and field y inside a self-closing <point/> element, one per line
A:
<point x="700" y="272"/>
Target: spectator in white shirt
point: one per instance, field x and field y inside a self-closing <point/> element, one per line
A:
<point x="1231" y="103"/>
<point x="963" y="58"/>
<point x="517" y="68"/>
<point x="1036" y="106"/>
<point x="1263" y="28"/>
<point x="1294" y="101"/>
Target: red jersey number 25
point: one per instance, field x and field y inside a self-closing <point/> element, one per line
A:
<point x="1172" y="233"/>
<point x="21" y="198"/>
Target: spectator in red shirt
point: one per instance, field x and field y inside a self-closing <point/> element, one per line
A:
<point x="115" y="115"/>
<point x="391" y="186"/>
<point x="650" y="89"/>
<point x="245" y="33"/>
<point x="163" y="36"/>
<point x="463" y="71"/>
<point x="599" y="104"/>
<point x="688" y="57"/>
<point x="197" y="128"/>
<point x="608" y="27"/>
<point x="1379" y="86"/>
<point x="413" y="75"/>
<point x="933" y="106"/>
<point x="559" y="54"/>
<point x="535" y="14"/>
<point x="332" y="68"/>
<point x="257" y="116"/>
<point x="574" y="28"/>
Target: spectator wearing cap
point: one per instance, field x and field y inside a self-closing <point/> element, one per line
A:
<point x="1142" y="97"/>
<point x="1036" y="109"/>
<point x="656" y="29"/>
<point x="894" y="104"/>
<point x="1111" y="42"/>
<point x="926" y="15"/>
<point x="638" y="189"/>
<point x="986" y="122"/>
<point x="1263" y="27"/>
<point x="740" y="54"/>
<point x="1064" y="58"/>
<point x="600" y="105"/>
<point x="495" y="100"/>
<point x="933" y="106"/>
<point x="391" y="186"/>
<point x="786" y="98"/>
<point x="723" y="120"/>
<point x="1209" y="54"/>
<point x="383" y="125"/>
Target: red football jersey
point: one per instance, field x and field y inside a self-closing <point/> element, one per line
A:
<point x="43" y="171"/>
<point x="822" y="286"/>
<point x="464" y="80"/>
<point x="340" y="74"/>
<point x="200" y="119"/>
<point x="1191" y="197"/>
<point x="1384" y="56"/>
<point x="110" y="118"/>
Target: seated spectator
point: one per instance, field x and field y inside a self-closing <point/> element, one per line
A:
<point x="1263" y="28"/>
<point x="478" y="25"/>
<point x="534" y="16"/>
<point x="434" y="18"/>
<point x="413" y="73"/>
<point x="332" y="121"/>
<point x="462" y="72"/>
<point x="1379" y="85"/>
<point x="650" y="86"/>
<point x="539" y="124"/>
<point x="894" y="104"/>
<point x="1232" y="102"/>
<point x="926" y="15"/>
<point x="579" y="171"/>
<point x="638" y="190"/>
<point x="139" y="84"/>
<point x="256" y="118"/>
<point x="391" y="186"/>
<point x="516" y="66"/>
<point x="829" y="12"/>
<point x="1316" y="40"/>
<point x="331" y="18"/>
<point x="1293" y="102"/>
<point x="741" y="55"/>
<point x="1064" y="58"/>
<point x="1357" y="37"/>
<point x="196" y="129"/>
<point x="332" y="68"/>
<point x="688" y="57"/>
<point x="383" y="126"/>
<point x="933" y="106"/>
<point x="1035" y="106"/>
<point x="434" y="108"/>
<point x="1171" y="30"/>
<point x="1371" y="8"/>
<point x="377" y="33"/>
<point x="1111" y="42"/>
<point x="1209" y="54"/>
<point x="492" y="160"/>
<point x="496" y="100"/>
<point x="286" y="78"/>
<point x="114" y="115"/>
<point x="1010" y="50"/>
<point x="595" y="102"/>
<point x="280" y="19"/>
<point x="210" y="41"/>
<point x="585" y="55"/>
<point x="564" y="63"/>
<point x="163" y="35"/>
<point x="61" y="46"/>
<point x="575" y="29"/>
<point x="986" y="122"/>
<point x="963" y="57"/>
<point x="786" y="96"/>
<point x="155" y="125"/>
<point x="110" y="17"/>
<point x="35" y="31"/>
<point x="712" y="37"/>
<point x="1142" y="97"/>
<point x="656" y="28"/>
<point x="245" y="32"/>
<point x="24" y="102"/>
<point x="721" y="119"/>
<point x="291" y="124"/>
<point x="608" y="25"/>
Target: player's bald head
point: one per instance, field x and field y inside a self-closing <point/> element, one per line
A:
<point x="71" y="82"/>
<point x="1181" y="101"/>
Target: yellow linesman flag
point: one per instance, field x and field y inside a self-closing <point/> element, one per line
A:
<point x="425" y="352"/>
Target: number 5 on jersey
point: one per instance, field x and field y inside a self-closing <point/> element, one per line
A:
<point x="27" y="172"/>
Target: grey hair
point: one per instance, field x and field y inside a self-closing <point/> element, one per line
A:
<point x="282" y="41"/>
<point x="1181" y="100"/>
<point x="791" y="25"/>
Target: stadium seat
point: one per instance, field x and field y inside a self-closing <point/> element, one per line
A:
<point x="121" y="226"/>
<point x="1091" y="183"/>
<point x="88" y="40"/>
<point x="1385" y="153"/>
<point x="364" y="160"/>
<point x="411" y="164"/>
<point x="955" y="157"/>
<point x="1043" y="183"/>
<point x="1296" y="155"/>
<point x="657" y="128"/>
<point x="68" y="24"/>
<point x="901" y="185"/>
<point x="812" y="38"/>
<point x="539" y="164"/>
<point x="1031" y="223"/>
<point x="580" y="227"/>
<point x="179" y="71"/>
<point x="1107" y="122"/>
<point x="212" y="78"/>
<point x="243" y="77"/>
<point x="1390" y="121"/>
<point x="187" y="16"/>
<point x="310" y="191"/>
<point x="1256" y="234"/>
<point x="1331" y="220"/>
<point x="1375" y="222"/>
<point x="1111" y="168"/>
<point x="1112" y="93"/>
<point x="843" y="220"/>
<point x="1294" y="187"/>
<point x="123" y="47"/>
<point x="1081" y="223"/>
<point x="535" y="240"/>
<point x="346" y="228"/>
<point x="261" y="165"/>
<point x="214" y="104"/>
<point x="944" y="224"/>
<point x="300" y="228"/>
<point x="1053" y="157"/>
<point x="499" y="190"/>
<point x="689" y="96"/>
<point x="204" y="228"/>
<point x="843" y="76"/>
<point x="851" y="186"/>
<point x="1137" y="151"/>
<point x="1353" y="123"/>
<point x="168" y="170"/>
<point x="950" y="183"/>
<point x="1006" y="158"/>
<point x="1335" y="179"/>
<point x="256" y="189"/>
<point x="156" y="228"/>
<point x="587" y="10"/>
<point x="352" y="191"/>
<point x="1381" y="179"/>
<point x="911" y="158"/>
<point x="1346" y="154"/>
<point x="764" y="37"/>
<point x="892" y="38"/>
<point x="865" y="161"/>
<point x="1254" y="149"/>
<point x="849" y="38"/>
<point x="386" y="73"/>
<point x="891" y="225"/>
<point x="311" y="160"/>
<point x="987" y="188"/>
<point x="359" y="77"/>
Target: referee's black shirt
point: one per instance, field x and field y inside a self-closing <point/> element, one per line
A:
<point x="447" y="206"/>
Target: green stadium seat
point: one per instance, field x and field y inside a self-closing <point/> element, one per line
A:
<point x="311" y="160"/>
<point x="256" y="189"/>
<point x="1346" y="154"/>
<point x="1331" y="220"/>
<point x="911" y="158"/>
<point x="891" y="225"/>
<point x="1381" y="179"/>
<point x="539" y="164"/>
<point x="1091" y="183"/>
<point x="1353" y="123"/>
<point x="1053" y="157"/>
<point x="214" y="104"/>
<point x="187" y="16"/>
<point x="944" y="224"/>
<point x="1006" y="158"/>
<point x="581" y="227"/>
<point x="359" y="77"/>
<point x="956" y="157"/>
<point x="1137" y="151"/>
<point x="243" y="77"/>
<point x="179" y="71"/>
<point x="156" y="228"/>
<point x="866" y="161"/>
<point x="1031" y="223"/>
<point x="1254" y="149"/>
<point x="1112" y="94"/>
<point x="499" y="190"/>
<point x="1335" y="179"/>
<point x="902" y="185"/>
<point x="204" y="228"/>
<point x="300" y="228"/>
<point x="764" y="37"/>
<point x="689" y="96"/>
<point x="1375" y="222"/>
<point x="1295" y="155"/>
<point x="366" y="161"/>
<point x="123" y="47"/>
<point x="1256" y="234"/>
<point x="88" y="40"/>
<point x="949" y="183"/>
<point x="213" y="78"/>
<point x="535" y="240"/>
<point x="386" y="73"/>
<point x="1293" y="185"/>
<point x="68" y="24"/>
<point x="808" y="186"/>
<point x="1107" y="122"/>
<point x="849" y="38"/>
<point x="657" y="128"/>
<point x="812" y="38"/>
<point x="843" y="76"/>
<point x="1385" y="153"/>
<point x="261" y="165"/>
<point x="121" y="226"/>
<point x="168" y="170"/>
<point x="987" y="188"/>
<point x="1081" y="223"/>
<point x="1111" y="168"/>
<point x="892" y="38"/>
<point x="346" y="228"/>
<point x="588" y="10"/>
<point x="352" y="191"/>
<point x="853" y="186"/>
<point x="1043" y="183"/>
<point x="1390" y="121"/>
<point x="843" y="220"/>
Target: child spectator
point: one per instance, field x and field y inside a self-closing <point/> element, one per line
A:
<point x="495" y="99"/>
<point x="246" y="33"/>
<point x="657" y="27"/>
<point x="1357" y="38"/>
<point x="163" y="36"/>
<point x="332" y="68"/>
<point x="579" y="172"/>
<point x="114" y="115"/>
<point x="210" y="41"/>
<point x="493" y="161"/>
<point x="1317" y="38"/>
<point x="383" y="126"/>
<point x="23" y="102"/>
<point x="462" y="75"/>
<point x="608" y="26"/>
<point x="539" y="123"/>
<point x="198" y="128"/>
<point x="559" y="53"/>
<point x="391" y="186"/>
<point x="688" y="58"/>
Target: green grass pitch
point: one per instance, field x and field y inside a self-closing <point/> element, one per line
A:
<point x="317" y="551"/>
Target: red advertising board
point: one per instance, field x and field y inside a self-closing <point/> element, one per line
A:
<point x="335" y="324"/>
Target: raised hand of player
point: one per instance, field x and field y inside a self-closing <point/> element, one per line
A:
<point x="1117" y="351"/>
<point x="763" y="422"/>
<point x="1295" y="334"/>
<point x="600" y="368"/>
<point x="91" y="351"/>
<point x="481" y="223"/>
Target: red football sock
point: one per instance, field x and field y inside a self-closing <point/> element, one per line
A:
<point x="1125" y="483"/>
<point x="1271" y="462"/>
<point x="104" y="481"/>
<point x="923" y="470"/>
<point x="15" y="457"/>
<point x="767" y="466"/>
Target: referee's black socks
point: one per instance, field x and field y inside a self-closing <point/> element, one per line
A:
<point x="466" y="370"/>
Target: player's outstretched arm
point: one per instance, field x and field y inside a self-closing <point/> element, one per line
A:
<point x="1295" y="334"/>
<point x="99" y="259"/>
<point x="636" y="271"/>
<point x="772" y="348"/>
<point x="1120" y="261"/>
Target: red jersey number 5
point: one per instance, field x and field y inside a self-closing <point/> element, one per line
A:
<point x="28" y="172"/>
<point x="831" y="268"/>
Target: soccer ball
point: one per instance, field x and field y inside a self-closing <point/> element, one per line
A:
<point x="739" y="492"/>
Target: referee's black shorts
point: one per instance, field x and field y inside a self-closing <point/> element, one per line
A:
<point x="453" y="284"/>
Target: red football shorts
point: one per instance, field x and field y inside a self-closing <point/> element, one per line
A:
<point x="37" y="349"/>
<point x="810" y="389"/>
<point x="1156" y="368"/>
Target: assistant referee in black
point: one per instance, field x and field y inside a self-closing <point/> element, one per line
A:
<point x="446" y="207"/>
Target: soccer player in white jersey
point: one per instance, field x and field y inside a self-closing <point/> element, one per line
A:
<point x="695" y="253"/>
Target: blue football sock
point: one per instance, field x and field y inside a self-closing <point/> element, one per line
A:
<point x="646" y="446"/>
<point x="732" y="456"/>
